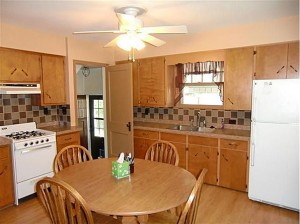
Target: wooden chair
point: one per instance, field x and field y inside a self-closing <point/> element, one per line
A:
<point x="69" y="156"/>
<point x="62" y="202"/>
<point x="163" y="151"/>
<point x="190" y="209"/>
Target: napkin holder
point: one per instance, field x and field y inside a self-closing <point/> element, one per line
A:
<point x="120" y="170"/>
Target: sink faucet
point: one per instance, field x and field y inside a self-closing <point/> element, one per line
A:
<point x="198" y="119"/>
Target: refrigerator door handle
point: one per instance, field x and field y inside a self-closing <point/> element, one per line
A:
<point x="252" y="154"/>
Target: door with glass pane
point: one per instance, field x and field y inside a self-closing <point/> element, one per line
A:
<point x="97" y="126"/>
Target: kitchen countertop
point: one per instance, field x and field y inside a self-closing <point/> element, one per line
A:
<point x="217" y="133"/>
<point x="61" y="129"/>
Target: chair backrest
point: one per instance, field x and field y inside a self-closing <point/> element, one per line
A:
<point x="69" y="156"/>
<point x="163" y="151"/>
<point x="62" y="202"/>
<point x="189" y="212"/>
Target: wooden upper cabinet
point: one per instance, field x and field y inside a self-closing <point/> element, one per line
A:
<point x="277" y="61"/>
<point x="53" y="82"/>
<point x="238" y="78"/>
<point x="293" y="61"/>
<point x="151" y="81"/>
<point x="20" y="66"/>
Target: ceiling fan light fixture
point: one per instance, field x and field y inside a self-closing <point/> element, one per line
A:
<point x="129" y="41"/>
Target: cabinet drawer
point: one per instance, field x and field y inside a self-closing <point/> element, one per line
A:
<point x="4" y="152"/>
<point x="234" y="144"/>
<point x="203" y="141"/>
<point x="146" y="134"/>
<point x="173" y="137"/>
<point x="67" y="139"/>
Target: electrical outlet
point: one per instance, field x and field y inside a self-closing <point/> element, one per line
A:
<point x="46" y="111"/>
<point x="64" y="110"/>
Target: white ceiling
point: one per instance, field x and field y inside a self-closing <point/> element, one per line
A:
<point x="66" y="16"/>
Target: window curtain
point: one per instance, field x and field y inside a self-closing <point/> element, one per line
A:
<point x="199" y="72"/>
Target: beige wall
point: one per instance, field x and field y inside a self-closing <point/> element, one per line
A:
<point x="275" y="31"/>
<point x="31" y="40"/>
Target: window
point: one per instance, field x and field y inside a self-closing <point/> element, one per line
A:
<point x="98" y="118"/>
<point x="200" y="83"/>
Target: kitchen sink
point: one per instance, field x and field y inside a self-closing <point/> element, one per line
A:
<point x="191" y="128"/>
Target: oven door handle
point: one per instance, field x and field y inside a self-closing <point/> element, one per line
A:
<point x="34" y="149"/>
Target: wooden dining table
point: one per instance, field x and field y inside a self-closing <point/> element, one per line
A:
<point x="152" y="188"/>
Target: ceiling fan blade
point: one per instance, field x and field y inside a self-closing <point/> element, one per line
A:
<point x="152" y="40"/>
<point x="98" y="31"/>
<point x="164" y="29"/>
<point x="112" y="43"/>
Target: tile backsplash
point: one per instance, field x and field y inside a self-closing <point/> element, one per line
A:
<point x="213" y="117"/>
<point x="17" y="108"/>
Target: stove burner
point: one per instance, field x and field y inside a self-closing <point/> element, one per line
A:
<point x="25" y="134"/>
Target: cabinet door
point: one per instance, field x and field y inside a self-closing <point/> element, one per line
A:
<point x="233" y="169"/>
<point x="19" y="66"/>
<point x="151" y="72"/>
<point x="271" y="61"/>
<point x="203" y="157"/>
<point x="6" y="178"/>
<point x="53" y="80"/>
<point x="293" y="61"/>
<point x="179" y="141"/>
<point x="238" y="78"/>
<point x="141" y="145"/>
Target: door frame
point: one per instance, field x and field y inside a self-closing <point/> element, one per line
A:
<point x="73" y="113"/>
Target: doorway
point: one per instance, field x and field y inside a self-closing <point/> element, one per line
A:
<point x="90" y="90"/>
<point x="96" y="112"/>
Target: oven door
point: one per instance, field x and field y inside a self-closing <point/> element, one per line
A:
<point x="34" y="161"/>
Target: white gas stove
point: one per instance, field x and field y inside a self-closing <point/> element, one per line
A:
<point x="33" y="152"/>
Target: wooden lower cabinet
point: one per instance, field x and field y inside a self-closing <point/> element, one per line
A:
<point x="63" y="140"/>
<point x="6" y="177"/>
<point x="233" y="164"/>
<point x="142" y="140"/>
<point x="179" y="141"/>
<point x="202" y="153"/>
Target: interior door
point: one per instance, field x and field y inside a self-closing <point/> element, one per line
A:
<point x="97" y="125"/>
<point x="119" y="109"/>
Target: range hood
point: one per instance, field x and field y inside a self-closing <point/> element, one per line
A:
<point x="20" y="88"/>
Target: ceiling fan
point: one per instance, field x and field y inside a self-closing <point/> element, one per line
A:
<point x="132" y="33"/>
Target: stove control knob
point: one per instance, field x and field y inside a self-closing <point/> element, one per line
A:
<point x="31" y="143"/>
<point x="47" y="139"/>
<point x="25" y="144"/>
<point x="37" y="142"/>
<point x="42" y="141"/>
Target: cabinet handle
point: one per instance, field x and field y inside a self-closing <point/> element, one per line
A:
<point x="206" y="155"/>
<point x="232" y="144"/>
<point x="24" y="72"/>
<point x="293" y="68"/>
<point x="230" y="101"/>
<point x="48" y="95"/>
<point x="280" y="69"/>
<point x="13" y="71"/>
<point x="225" y="158"/>
<point x="67" y="139"/>
<point x="3" y="171"/>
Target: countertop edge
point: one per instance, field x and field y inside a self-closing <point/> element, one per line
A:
<point x="203" y="134"/>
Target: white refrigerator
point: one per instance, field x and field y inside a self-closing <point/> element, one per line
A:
<point x="274" y="148"/>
